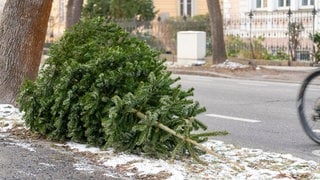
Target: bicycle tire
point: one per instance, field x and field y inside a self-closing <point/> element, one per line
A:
<point x="301" y="106"/>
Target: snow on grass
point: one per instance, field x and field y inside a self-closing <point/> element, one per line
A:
<point x="238" y="163"/>
<point x="83" y="147"/>
<point x="143" y="166"/>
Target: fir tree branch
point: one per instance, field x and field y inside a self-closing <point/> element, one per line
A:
<point x="188" y="140"/>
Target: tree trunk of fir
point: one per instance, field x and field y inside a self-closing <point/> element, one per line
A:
<point x="74" y="8"/>
<point x="23" y="29"/>
<point x="218" y="46"/>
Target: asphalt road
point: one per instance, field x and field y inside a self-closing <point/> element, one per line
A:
<point x="257" y="114"/>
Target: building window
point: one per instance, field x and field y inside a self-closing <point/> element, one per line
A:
<point x="307" y="2"/>
<point x="283" y="3"/>
<point x="186" y="8"/>
<point x="261" y="4"/>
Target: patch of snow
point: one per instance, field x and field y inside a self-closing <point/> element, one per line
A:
<point x="29" y="174"/>
<point x="3" y="135"/>
<point x="175" y="64"/>
<point x="120" y="159"/>
<point x="177" y="171"/>
<point x="230" y="65"/>
<point x="83" y="147"/>
<point x="24" y="145"/>
<point x="5" y="126"/>
<point x="9" y="116"/>
<point x="46" y="164"/>
<point x="8" y="111"/>
<point x="144" y="166"/>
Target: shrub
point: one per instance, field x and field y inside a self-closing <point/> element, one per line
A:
<point x="102" y="87"/>
<point x="316" y="40"/>
<point x="258" y="51"/>
<point x="280" y="55"/>
<point x="234" y="44"/>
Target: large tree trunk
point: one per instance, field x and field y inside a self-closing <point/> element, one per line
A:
<point x="218" y="45"/>
<point x="23" y="29"/>
<point x="74" y="8"/>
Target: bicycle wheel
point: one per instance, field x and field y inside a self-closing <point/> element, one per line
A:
<point x="308" y="104"/>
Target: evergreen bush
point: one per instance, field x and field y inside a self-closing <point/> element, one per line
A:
<point x="102" y="87"/>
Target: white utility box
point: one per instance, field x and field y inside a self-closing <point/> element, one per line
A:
<point x="191" y="47"/>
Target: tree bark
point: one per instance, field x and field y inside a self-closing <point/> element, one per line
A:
<point x="218" y="46"/>
<point x="23" y="29"/>
<point x="74" y="8"/>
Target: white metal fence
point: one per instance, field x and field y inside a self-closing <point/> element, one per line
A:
<point x="268" y="29"/>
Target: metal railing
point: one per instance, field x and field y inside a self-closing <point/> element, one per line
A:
<point x="266" y="32"/>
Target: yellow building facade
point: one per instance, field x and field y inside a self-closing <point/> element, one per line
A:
<point x="165" y="8"/>
<point x="176" y="8"/>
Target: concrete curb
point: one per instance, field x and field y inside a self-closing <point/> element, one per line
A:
<point x="305" y="70"/>
<point x="200" y="73"/>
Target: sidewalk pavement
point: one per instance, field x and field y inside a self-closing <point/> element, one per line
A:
<point x="291" y="68"/>
<point x="294" y="74"/>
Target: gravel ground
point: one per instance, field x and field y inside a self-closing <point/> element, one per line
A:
<point x="31" y="160"/>
<point x="24" y="156"/>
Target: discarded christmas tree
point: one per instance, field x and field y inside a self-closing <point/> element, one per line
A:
<point x="103" y="87"/>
